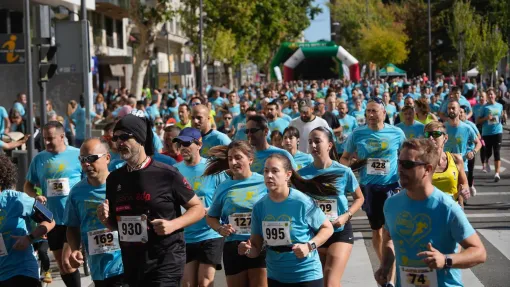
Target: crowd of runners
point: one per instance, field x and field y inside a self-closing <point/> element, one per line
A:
<point x="256" y="182"/>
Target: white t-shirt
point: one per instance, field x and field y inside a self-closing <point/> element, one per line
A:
<point x="305" y="128"/>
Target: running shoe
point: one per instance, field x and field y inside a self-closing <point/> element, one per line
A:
<point x="488" y="165"/>
<point x="47" y="277"/>
<point x="484" y="169"/>
<point x="472" y="190"/>
<point x="496" y="177"/>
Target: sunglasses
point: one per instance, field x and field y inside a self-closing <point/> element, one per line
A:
<point x="376" y="100"/>
<point x="158" y="124"/>
<point x="409" y="164"/>
<point x="183" y="144"/>
<point x="227" y="118"/>
<point x="122" y="137"/>
<point x="434" y="134"/>
<point x="195" y="104"/>
<point x="252" y="130"/>
<point x="90" y="158"/>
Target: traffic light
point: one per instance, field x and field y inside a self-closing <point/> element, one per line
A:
<point x="47" y="63"/>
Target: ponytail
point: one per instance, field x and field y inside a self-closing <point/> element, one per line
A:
<point x="218" y="156"/>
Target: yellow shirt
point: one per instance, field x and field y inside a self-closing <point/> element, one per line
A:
<point x="181" y="126"/>
<point x="448" y="180"/>
<point x="426" y="121"/>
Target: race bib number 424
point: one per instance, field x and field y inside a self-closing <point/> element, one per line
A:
<point x="133" y="229"/>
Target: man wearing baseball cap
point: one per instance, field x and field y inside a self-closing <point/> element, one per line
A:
<point x="306" y="122"/>
<point x="204" y="246"/>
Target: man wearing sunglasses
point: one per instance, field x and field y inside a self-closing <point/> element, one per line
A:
<point x="101" y="244"/>
<point x="210" y="138"/>
<point x="424" y="226"/>
<point x="411" y="128"/>
<point x="204" y="246"/>
<point x="56" y="170"/>
<point x="377" y="145"/>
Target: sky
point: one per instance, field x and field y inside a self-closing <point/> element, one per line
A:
<point x="319" y="27"/>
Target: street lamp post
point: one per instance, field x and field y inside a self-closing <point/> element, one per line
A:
<point x="166" y="33"/>
<point x="29" y="79"/>
<point x="430" y="46"/>
<point x="201" y="32"/>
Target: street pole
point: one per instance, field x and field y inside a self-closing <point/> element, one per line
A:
<point x="28" y="71"/>
<point x="168" y="58"/>
<point x="86" y="75"/>
<point x="430" y="46"/>
<point x="461" y="48"/>
<point x="44" y="114"/>
<point x="201" y="28"/>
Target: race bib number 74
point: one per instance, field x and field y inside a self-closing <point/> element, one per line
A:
<point x="417" y="277"/>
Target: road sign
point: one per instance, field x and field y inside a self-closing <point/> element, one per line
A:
<point x="12" y="49"/>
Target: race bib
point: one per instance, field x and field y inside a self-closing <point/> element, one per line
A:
<point x="329" y="207"/>
<point x="133" y="229"/>
<point x="58" y="187"/>
<point x="3" y="249"/>
<point x="361" y="121"/>
<point x="103" y="241"/>
<point x="417" y="276"/>
<point x="276" y="233"/>
<point x="241" y="222"/>
<point x="494" y="121"/>
<point x="202" y="199"/>
<point x="378" y="166"/>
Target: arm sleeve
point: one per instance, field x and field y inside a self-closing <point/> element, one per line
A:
<point x="181" y="189"/>
<point x="71" y="217"/>
<point x="314" y="215"/>
<point x="32" y="172"/>
<point x="460" y="227"/>
<point x="27" y="204"/>
<point x="350" y="146"/>
<point x="217" y="203"/>
<point x="352" y="182"/>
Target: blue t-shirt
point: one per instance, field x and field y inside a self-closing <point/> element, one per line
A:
<point x="3" y="115"/>
<point x="62" y="171"/>
<point x="305" y="219"/>
<point x="153" y="112"/>
<point x="79" y="119"/>
<point x="237" y="196"/>
<point x="157" y="144"/>
<point x="359" y="116"/>
<point x="20" y="108"/>
<point x="15" y="208"/>
<point x="277" y="125"/>
<point x="235" y="110"/>
<point x="471" y="145"/>
<point x="174" y="113"/>
<point x="494" y="126"/>
<point x="477" y="111"/>
<point x="382" y="144"/>
<point x="261" y="156"/>
<point x="239" y="124"/>
<point x="204" y="187"/>
<point x="346" y="183"/>
<point x="302" y="159"/>
<point x="413" y="131"/>
<point x="458" y="140"/>
<point x="391" y="110"/>
<point x="294" y="115"/>
<point x="434" y="108"/>
<point x="212" y="139"/>
<point x="348" y="124"/>
<point x="287" y="118"/>
<point x="81" y="212"/>
<point x="413" y="224"/>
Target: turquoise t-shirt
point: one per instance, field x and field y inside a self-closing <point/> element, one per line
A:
<point x="174" y="113"/>
<point x="278" y="125"/>
<point x="239" y="124"/>
<point x="287" y="118"/>
<point x="477" y="111"/>
<point x="471" y="145"/>
<point x="153" y="112"/>
<point x="261" y="156"/>
<point x="434" y="108"/>
<point x="212" y="139"/>
<point x="20" y="108"/>
<point x="81" y="212"/>
<point x="204" y="187"/>
<point x="414" y="131"/>
<point x="79" y="119"/>
<point x="346" y="183"/>
<point x="157" y="144"/>
<point x="235" y="110"/>
<point x="302" y="159"/>
<point x="493" y="127"/>
<point x="305" y="219"/>
<point x="458" y="140"/>
<point x="413" y="224"/>
<point x="383" y="144"/>
<point x="61" y="171"/>
<point x="391" y="110"/>
<point x="3" y="115"/>
<point x="15" y="208"/>
<point x="348" y="124"/>
<point x="359" y="116"/>
<point x="237" y="196"/>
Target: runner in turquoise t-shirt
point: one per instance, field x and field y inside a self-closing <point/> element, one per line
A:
<point x="290" y="225"/>
<point x="232" y="205"/>
<point x="336" y="208"/>
<point x="290" y="144"/>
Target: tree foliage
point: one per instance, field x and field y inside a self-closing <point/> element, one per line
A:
<point x="492" y="48"/>
<point x="148" y="20"/>
<point x="383" y="46"/>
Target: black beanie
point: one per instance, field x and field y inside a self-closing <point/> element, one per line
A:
<point x="140" y="128"/>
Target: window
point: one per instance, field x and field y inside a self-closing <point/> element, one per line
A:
<point x="108" y="25"/>
<point x="119" y="29"/>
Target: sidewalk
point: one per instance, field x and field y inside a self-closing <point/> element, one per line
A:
<point x="57" y="281"/>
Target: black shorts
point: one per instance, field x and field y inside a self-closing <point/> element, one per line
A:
<point x="345" y="235"/>
<point x="115" y="281"/>
<point x="235" y="263"/>
<point x="57" y="237"/>
<point x="313" y="283"/>
<point x="375" y="197"/>
<point x="207" y="252"/>
<point x="20" y="281"/>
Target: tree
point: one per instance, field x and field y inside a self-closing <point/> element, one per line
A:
<point x="383" y="46"/>
<point x="491" y="49"/>
<point x="148" y="19"/>
<point x="462" y="27"/>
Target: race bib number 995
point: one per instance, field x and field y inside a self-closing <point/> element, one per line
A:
<point x="276" y="233"/>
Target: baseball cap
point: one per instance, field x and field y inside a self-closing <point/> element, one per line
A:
<point x="188" y="135"/>
<point x="305" y="104"/>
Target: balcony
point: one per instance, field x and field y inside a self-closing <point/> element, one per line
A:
<point x="116" y="9"/>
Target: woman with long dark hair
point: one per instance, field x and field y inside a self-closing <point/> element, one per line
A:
<point x="290" y="224"/>
<point x="232" y="204"/>
<point x="335" y="252"/>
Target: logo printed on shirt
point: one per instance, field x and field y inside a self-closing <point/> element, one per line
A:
<point x="123" y="208"/>
<point x="413" y="228"/>
<point x="119" y="187"/>
<point x="186" y="183"/>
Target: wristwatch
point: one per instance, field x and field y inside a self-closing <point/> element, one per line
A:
<point x="448" y="262"/>
<point x="312" y="245"/>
